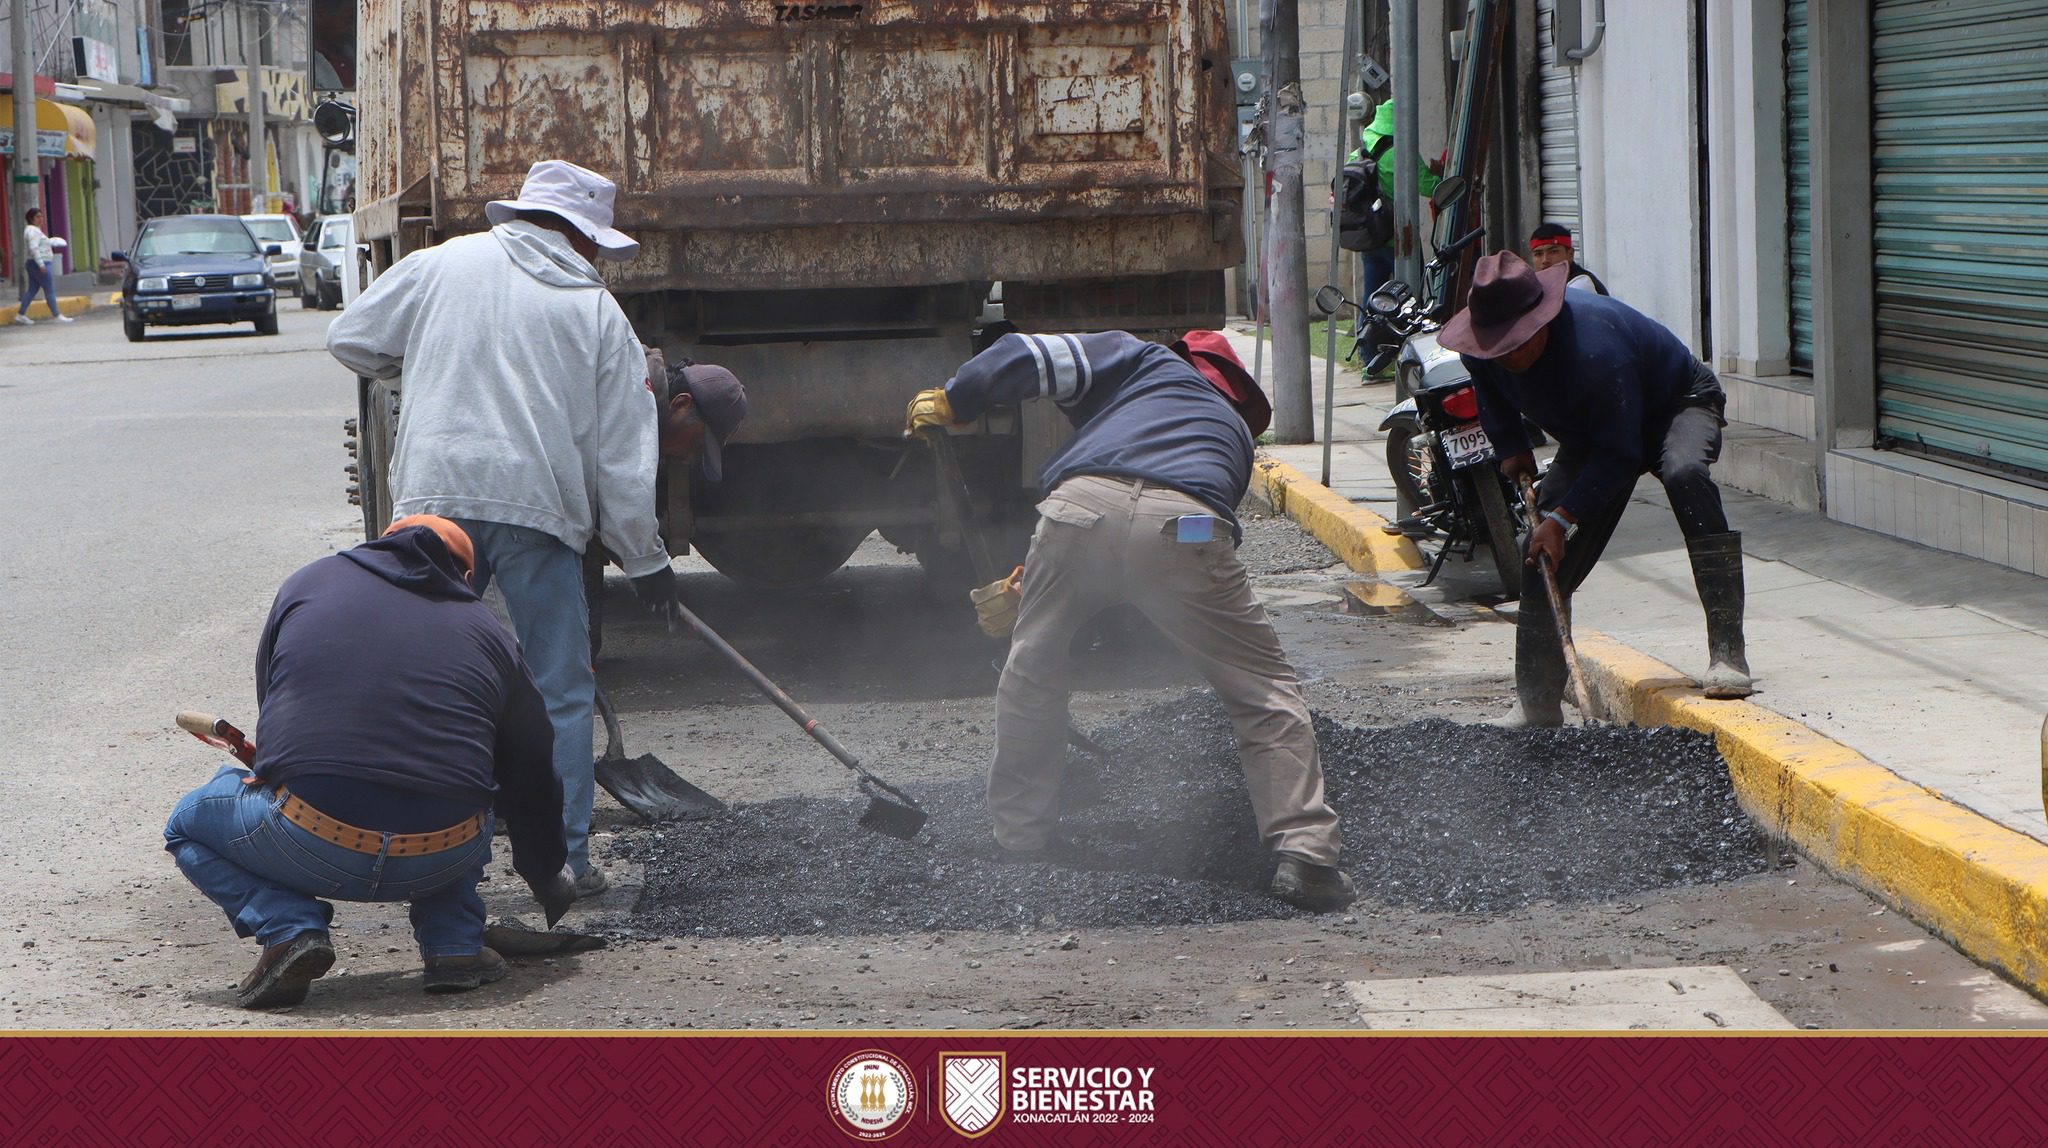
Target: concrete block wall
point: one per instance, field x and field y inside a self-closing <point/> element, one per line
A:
<point x="1322" y="51"/>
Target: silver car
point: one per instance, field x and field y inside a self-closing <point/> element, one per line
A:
<point x="330" y="240"/>
<point x="282" y="230"/>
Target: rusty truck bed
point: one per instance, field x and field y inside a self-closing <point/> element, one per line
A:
<point x="758" y="144"/>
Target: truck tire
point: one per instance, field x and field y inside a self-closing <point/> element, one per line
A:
<point x="775" y="559"/>
<point x="377" y="435"/>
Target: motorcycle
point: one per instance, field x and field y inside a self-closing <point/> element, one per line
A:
<point x="1447" y="479"/>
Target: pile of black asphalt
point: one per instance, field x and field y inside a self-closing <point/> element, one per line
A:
<point x="1436" y="816"/>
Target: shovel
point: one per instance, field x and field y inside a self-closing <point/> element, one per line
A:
<point x="890" y="811"/>
<point x="1581" y="696"/>
<point x="646" y="785"/>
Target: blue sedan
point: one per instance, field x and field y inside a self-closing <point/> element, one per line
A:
<point x="191" y="269"/>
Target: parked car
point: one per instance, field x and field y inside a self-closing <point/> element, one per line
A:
<point x="330" y="240"/>
<point x="282" y="230"/>
<point x="192" y="269"/>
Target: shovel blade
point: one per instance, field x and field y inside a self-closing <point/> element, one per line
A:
<point x="892" y="818"/>
<point x="511" y="940"/>
<point x="651" y="789"/>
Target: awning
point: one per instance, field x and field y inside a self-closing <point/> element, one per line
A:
<point x="83" y="134"/>
<point x="53" y="129"/>
<point x="110" y="93"/>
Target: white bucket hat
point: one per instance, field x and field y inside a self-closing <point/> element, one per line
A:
<point x="577" y="194"/>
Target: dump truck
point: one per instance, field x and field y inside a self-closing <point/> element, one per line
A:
<point x="830" y="201"/>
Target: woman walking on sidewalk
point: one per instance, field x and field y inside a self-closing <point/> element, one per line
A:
<point x="41" y="276"/>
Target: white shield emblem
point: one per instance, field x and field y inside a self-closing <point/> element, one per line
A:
<point x="971" y="1096"/>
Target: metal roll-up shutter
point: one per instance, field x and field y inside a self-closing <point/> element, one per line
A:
<point x="1960" y="132"/>
<point x="1557" y="128"/>
<point x="1798" y="187"/>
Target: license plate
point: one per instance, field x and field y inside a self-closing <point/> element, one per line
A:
<point x="185" y="303"/>
<point x="1467" y="446"/>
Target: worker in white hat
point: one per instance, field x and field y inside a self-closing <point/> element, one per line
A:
<point x="528" y="419"/>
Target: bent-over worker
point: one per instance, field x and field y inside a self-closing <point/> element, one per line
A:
<point x="1623" y="397"/>
<point x="1141" y="510"/>
<point x="395" y="714"/>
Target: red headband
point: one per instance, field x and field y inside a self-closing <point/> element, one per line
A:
<point x="1564" y="241"/>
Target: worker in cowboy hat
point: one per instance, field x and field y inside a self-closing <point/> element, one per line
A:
<point x="1623" y="397"/>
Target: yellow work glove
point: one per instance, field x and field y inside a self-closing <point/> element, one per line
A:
<point x="995" y="605"/>
<point x="929" y="409"/>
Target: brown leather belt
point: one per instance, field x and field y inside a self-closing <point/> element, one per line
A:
<point x="370" y="840"/>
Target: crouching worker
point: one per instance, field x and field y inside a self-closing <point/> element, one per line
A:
<point x="395" y="713"/>
<point x="1141" y="510"/>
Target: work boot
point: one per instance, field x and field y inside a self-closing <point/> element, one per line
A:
<point x="1307" y="885"/>
<point x="591" y="882"/>
<point x="1540" y="672"/>
<point x="461" y="974"/>
<point x="1717" y="571"/>
<point x="286" y="970"/>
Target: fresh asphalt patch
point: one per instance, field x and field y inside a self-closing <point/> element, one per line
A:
<point x="1437" y="817"/>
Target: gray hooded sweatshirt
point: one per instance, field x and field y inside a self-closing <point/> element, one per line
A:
<point x="526" y="396"/>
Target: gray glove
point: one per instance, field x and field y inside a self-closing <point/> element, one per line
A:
<point x="555" y="894"/>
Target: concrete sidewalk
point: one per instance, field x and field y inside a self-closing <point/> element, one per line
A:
<point x="1897" y="739"/>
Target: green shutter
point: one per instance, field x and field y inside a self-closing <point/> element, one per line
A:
<point x="1960" y="146"/>
<point x="1798" y="187"/>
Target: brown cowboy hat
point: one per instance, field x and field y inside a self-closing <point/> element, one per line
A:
<point x="1509" y="303"/>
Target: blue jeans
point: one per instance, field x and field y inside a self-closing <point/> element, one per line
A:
<point x="542" y="580"/>
<point x="40" y="279"/>
<point x="270" y="875"/>
<point x="1374" y="269"/>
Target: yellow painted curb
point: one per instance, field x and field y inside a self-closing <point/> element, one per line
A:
<point x="1352" y="531"/>
<point x="66" y="304"/>
<point x="1981" y="886"/>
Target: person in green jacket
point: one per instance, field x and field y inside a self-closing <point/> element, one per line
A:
<point x="1376" y="139"/>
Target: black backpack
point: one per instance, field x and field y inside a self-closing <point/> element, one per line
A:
<point x="1365" y="220"/>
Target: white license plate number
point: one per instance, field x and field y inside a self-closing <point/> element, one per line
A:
<point x="185" y="303"/>
<point x="1467" y="446"/>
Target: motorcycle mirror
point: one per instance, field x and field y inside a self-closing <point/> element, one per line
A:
<point x="1329" y="299"/>
<point x="1449" y="190"/>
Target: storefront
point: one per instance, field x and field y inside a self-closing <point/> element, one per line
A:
<point x="64" y="141"/>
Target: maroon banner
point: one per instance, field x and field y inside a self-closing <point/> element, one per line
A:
<point x="1001" y="1088"/>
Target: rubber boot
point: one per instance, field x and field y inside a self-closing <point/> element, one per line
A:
<point x="1539" y="670"/>
<point x="1717" y="571"/>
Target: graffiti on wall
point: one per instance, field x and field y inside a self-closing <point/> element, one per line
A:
<point x="173" y="172"/>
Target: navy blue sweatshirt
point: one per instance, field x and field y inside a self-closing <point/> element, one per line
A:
<point x="1608" y="384"/>
<point x="381" y="665"/>
<point x="1139" y="411"/>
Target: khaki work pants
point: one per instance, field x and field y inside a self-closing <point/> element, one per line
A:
<point x="1103" y="541"/>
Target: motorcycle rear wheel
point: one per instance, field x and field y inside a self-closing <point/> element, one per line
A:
<point x="1410" y="464"/>
<point x="1499" y="523"/>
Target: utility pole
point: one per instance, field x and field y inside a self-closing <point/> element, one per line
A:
<point x="24" y="174"/>
<point x="1407" y="139"/>
<point x="1287" y="239"/>
<point x="259" y="160"/>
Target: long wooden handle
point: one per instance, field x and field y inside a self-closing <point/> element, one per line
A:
<point x="1581" y="694"/>
<point x="784" y="702"/>
<point x="219" y="733"/>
